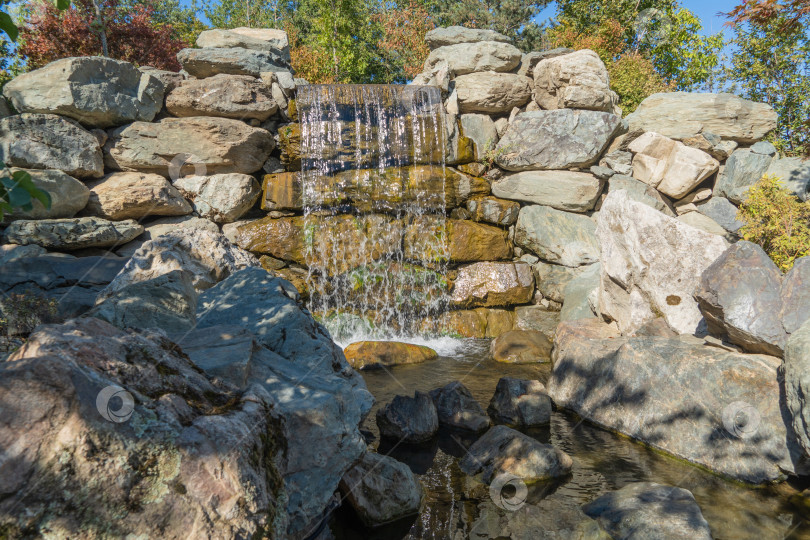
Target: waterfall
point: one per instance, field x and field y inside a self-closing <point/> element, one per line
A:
<point x="373" y="189"/>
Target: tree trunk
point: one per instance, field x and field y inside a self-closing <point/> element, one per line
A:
<point x="102" y="29"/>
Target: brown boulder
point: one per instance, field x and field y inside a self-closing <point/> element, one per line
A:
<point x="521" y="347"/>
<point x="375" y="354"/>
<point x="490" y="284"/>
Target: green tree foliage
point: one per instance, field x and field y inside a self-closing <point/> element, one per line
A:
<point x="251" y="13"/>
<point x="776" y="220"/>
<point x="513" y="18"/>
<point x="771" y="63"/>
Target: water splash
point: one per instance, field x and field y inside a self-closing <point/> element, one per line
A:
<point x="372" y="161"/>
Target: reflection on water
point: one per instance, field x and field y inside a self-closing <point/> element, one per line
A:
<point x="458" y="507"/>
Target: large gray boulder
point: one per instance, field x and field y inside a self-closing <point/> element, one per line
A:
<point x="72" y="233"/>
<point x="641" y="278"/>
<point x="578" y="80"/>
<point x="520" y="402"/>
<point x="556" y="236"/>
<point x="210" y="61"/>
<point x="228" y="96"/>
<point x="257" y="39"/>
<point x="797" y="383"/>
<point x="408" y="419"/>
<point x="681" y="115"/>
<point x="132" y="195"/>
<point x="96" y="91"/>
<point x="381" y="489"/>
<point x="723" y="212"/>
<point x="795" y="174"/>
<point x="649" y="510"/>
<point x="553" y="279"/>
<point x="582" y="294"/>
<point x="556" y="139"/>
<point x="68" y="195"/>
<point x="47" y="141"/>
<point x="718" y="409"/>
<point x="739" y="295"/>
<point x="464" y="58"/>
<point x="492" y="93"/>
<point x="457" y="408"/>
<point x="222" y="198"/>
<point x="196" y="145"/>
<point x="319" y="398"/>
<point x="504" y="451"/>
<point x="563" y="190"/>
<point x="743" y="169"/>
<point x="640" y="192"/>
<point x="795" y="295"/>
<point x="453" y="35"/>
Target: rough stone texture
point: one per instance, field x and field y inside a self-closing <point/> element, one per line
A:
<point x="490" y="284"/>
<point x="493" y="210"/>
<point x="718" y="409"/>
<point x="640" y="277"/>
<point x="739" y="294"/>
<point x="68" y="195"/>
<point x="481" y="129"/>
<point x="671" y="167"/>
<point x="453" y="35"/>
<point x="467" y="241"/>
<point x="519" y="402"/>
<point x="96" y="91"/>
<point x="722" y="212"/>
<point x="13" y="252"/>
<point x="581" y="294"/>
<point x="680" y="115"/>
<point x="619" y="161"/>
<point x="797" y="383"/>
<point x="381" y="489"/>
<point x="743" y="169"/>
<point x="640" y="192"/>
<point x="457" y="408"/>
<point x="464" y="58"/>
<point x="552" y="279"/>
<point x="321" y="399"/>
<point x="551" y="518"/>
<point x="168" y="302"/>
<point x="649" y="510"/>
<point x="409" y="419"/>
<point x="376" y="354"/>
<point x="578" y="80"/>
<point x="556" y="139"/>
<point x="73" y="282"/>
<point x="72" y="233"/>
<point x="170" y="79"/>
<point x="795" y="295"/>
<point x="155" y="227"/>
<point x="706" y="224"/>
<point x="502" y="450"/>
<point x="563" y="190"/>
<point x="202" y="63"/>
<point x="531" y="59"/>
<point x="557" y="236"/>
<point x="133" y="195"/>
<point x="492" y="93"/>
<point x="196" y="454"/>
<point x="47" y="141"/>
<point x="200" y="145"/>
<point x="521" y="347"/>
<point x="795" y="174"/>
<point x="208" y="257"/>
<point x="222" y="198"/>
<point x="229" y="96"/>
<point x="257" y="39"/>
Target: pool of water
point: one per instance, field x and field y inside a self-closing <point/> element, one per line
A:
<point x="458" y="507"/>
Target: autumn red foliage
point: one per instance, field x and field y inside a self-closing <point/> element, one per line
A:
<point x="48" y="34"/>
<point x="764" y="12"/>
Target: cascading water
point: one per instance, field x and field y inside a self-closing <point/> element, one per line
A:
<point x="373" y="176"/>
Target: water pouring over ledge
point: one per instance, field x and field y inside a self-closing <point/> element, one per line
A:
<point x="374" y="203"/>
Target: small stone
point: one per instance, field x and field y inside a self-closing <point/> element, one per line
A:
<point x="520" y="403"/>
<point x="409" y="420"/>
<point x="457" y="408"/>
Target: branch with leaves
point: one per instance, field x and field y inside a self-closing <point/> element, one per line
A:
<point x="17" y="190"/>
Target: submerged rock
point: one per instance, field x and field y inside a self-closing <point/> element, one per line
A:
<point x="518" y="402"/>
<point x="521" y="347"/>
<point x="504" y="451"/>
<point x="409" y="419"/>
<point x="456" y="408"/>
<point x="375" y="354"/>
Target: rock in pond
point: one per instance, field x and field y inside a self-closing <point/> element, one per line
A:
<point x="457" y="408"/>
<point x="409" y="419"/>
<point x="381" y="489"/>
<point x="718" y="409"/>
<point x="377" y="354"/>
<point x="72" y="233"/>
<point x="521" y="347"/>
<point x="519" y="402"/>
<point x="504" y="451"/>
<point x="489" y="284"/>
<point x="649" y="510"/>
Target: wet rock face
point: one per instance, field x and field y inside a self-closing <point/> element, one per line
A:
<point x="731" y="422"/>
<point x="502" y="450"/>
<point x="521" y="347"/>
<point x="518" y="402"/>
<point x="493" y="210"/>
<point x="377" y="354"/>
<point x="493" y="284"/>
<point x="456" y="408"/>
<point x="154" y="445"/>
<point x="96" y="91"/>
<point x="409" y="419"/>
<point x="578" y="80"/>
<point x="649" y="510"/>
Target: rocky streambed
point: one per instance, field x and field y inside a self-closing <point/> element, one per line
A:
<point x="456" y="505"/>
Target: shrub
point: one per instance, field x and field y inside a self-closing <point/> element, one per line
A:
<point x="776" y="220"/>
